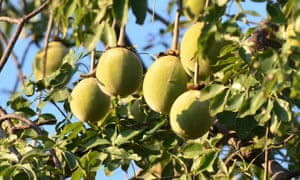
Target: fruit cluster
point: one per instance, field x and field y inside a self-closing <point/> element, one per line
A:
<point x="119" y="73"/>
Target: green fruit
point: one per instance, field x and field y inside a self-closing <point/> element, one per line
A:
<point x="193" y="8"/>
<point x="119" y="72"/>
<point x="55" y="54"/>
<point x="164" y="81"/>
<point x="189" y="51"/>
<point x="87" y="102"/>
<point x="189" y="117"/>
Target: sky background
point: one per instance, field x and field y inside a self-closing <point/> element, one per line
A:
<point x="139" y="35"/>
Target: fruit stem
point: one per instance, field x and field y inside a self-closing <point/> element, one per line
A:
<point x="196" y="72"/>
<point x="176" y="28"/>
<point x="92" y="65"/>
<point x="121" y="40"/>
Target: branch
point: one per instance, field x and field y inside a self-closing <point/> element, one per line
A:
<point x="38" y="130"/>
<point x="19" y="28"/>
<point x="21" y="128"/>
<point x="12" y="148"/>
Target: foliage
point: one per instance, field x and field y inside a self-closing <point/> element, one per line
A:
<point x="253" y="91"/>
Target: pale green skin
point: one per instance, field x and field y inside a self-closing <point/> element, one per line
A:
<point x="119" y="72"/>
<point x="193" y="8"/>
<point x="189" y="117"/>
<point x="87" y="102"/>
<point x="164" y="81"/>
<point x="55" y="54"/>
<point x="188" y="52"/>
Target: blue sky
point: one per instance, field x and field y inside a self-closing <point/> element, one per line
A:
<point x="139" y="36"/>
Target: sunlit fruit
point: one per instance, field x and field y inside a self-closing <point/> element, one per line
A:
<point x="193" y="8"/>
<point x="189" y="51"/>
<point x="164" y="81"/>
<point x="119" y="72"/>
<point x="189" y="117"/>
<point x="87" y="102"/>
<point x="55" y="52"/>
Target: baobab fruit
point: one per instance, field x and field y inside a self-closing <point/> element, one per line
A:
<point x="87" y="102"/>
<point x="119" y="72"/>
<point x="164" y="81"/>
<point x="55" y="53"/>
<point x="193" y="8"/>
<point x="189" y="117"/>
<point x="189" y="52"/>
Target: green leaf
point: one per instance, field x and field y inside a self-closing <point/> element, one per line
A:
<point x="265" y="113"/>
<point x="218" y="103"/>
<point x="34" y="153"/>
<point x="94" y="142"/>
<point x="252" y="104"/>
<point x="28" y="87"/>
<point x="282" y="110"/>
<point x="125" y="136"/>
<point x="274" y="10"/>
<point x="234" y="101"/>
<point x="211" y="91"/>
<point x="120" y="11"/>
<point x="139" y="9"/>
<point x="71" y="159"/>
<point x="121" y="153"/>
<point x="205" y="162"/>
<point x="192" y="150"/>
<point x="59" y="95"/>
<point x="245" y="126"/>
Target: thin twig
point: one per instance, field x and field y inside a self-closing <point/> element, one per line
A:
<point x="47" y="36"/>
<point x="46" y="122"/>
<point x="9" y="19"/>
<point x="266" y="173"/>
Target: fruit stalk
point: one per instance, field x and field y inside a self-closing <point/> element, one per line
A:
<point x="196" y="76"/>
<point x="121" y="40"/>
<point x="174" y="47"/>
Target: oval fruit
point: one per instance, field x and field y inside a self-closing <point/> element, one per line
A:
<point x="55" y="54"/>
<point x="189" y="51"/>
<point x="164" y="81"/>
<point x="87" y="102"/>
<point x="193" y="8"/>
<point x="189" y="117"/>
<point x="119" y="72"/>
